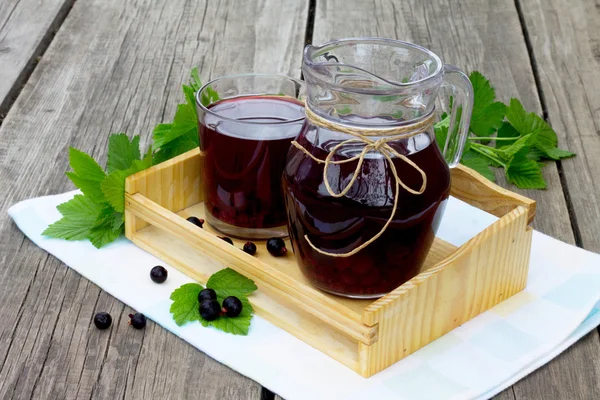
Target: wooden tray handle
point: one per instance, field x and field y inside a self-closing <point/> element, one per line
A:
<point x="474" y="189"/>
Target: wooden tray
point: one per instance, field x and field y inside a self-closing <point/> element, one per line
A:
<point x="366" y="335"/>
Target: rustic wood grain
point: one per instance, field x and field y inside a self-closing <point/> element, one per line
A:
<point x="26" y="28"/>
<point x="565" y="46"/>
<point x="565" y="41"/>
<point x="117" y="67"/>
<point x="486" y="36"/>
<point x="114" y="66"/>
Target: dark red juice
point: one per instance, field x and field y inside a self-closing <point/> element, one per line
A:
<point x="245" y="141"/>
<point x="339" y="225"/>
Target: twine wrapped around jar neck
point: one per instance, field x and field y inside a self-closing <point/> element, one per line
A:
<point x="366" y="136"/>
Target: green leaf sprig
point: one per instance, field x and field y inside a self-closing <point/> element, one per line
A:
<point x="227" y="282"/>
<point x="507" y="137"/>
<point x="171" y="140"/>
<point x="97" y="213"/>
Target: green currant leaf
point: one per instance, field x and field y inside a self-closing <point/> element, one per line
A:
<point x="525" y="173"/>
<point x="478" y="163"/>
<point x="159" y="135"/>
<point x="122" y="152"/>
<point x="88" y="187"/>
<point x="228" y="282"/>
<point x="79" y="216"/>
<point x="209" y="96"/>
<point x="488" y="114"/>
<point x="176" y="147"/>
<point x="195" y="81"/>
<point x="506" y="131"/>
<point x="85" y="166"/>
<point x="185" y="307"/>
<point x="185" y="124"/>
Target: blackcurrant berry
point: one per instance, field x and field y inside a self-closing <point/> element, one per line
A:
<point x="158" y="274"/>
<point x="196" y="221"/>
<point x="225" y="238"/>
<point x="276" y="246"/>
<point x="137" y="320"/>
<point x="250" y="248"/>
<point x="210" y="309"/>
<point x="102" y="320"/>
<point x="206" y="294"/>
<point x="232" y="306"/>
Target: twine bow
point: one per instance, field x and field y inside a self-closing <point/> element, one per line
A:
<point x="363" y="135"/>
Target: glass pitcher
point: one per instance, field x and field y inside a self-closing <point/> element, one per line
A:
<point x="365" y="182"/>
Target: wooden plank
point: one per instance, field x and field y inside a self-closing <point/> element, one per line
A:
<point x="565" y="43"/>
<point x="26" y="29"/>
<point x="569" y="74"/>
<point x="572" y="375"/>
<point x="114" y="66"/>
<point x="486" y="36"/>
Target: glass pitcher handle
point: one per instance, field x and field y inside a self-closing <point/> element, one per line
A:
<point x="460" y="116"/>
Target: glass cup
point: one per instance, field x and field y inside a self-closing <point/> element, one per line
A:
<point x="246" y="124"/>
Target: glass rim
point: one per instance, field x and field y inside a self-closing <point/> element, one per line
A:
<point x="246" y="75"/>
<point x="310" y="50"/>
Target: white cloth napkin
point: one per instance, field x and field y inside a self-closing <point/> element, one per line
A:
<point x="475" y="361"/>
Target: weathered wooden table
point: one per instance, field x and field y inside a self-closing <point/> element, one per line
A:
<point x="73" y="71"/>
